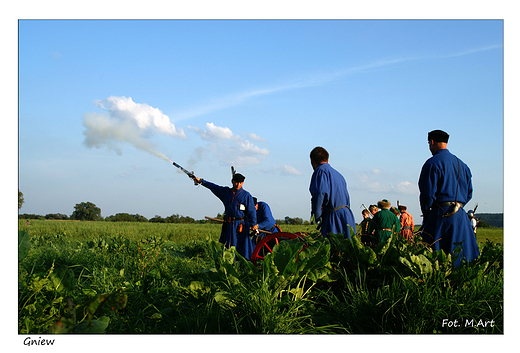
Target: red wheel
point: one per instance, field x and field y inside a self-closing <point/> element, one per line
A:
<point x="267" y="243"/>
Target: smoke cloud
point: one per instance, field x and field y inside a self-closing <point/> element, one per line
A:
<point x="127" y="122"/>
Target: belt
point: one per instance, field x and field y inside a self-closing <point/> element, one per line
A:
<point x="454" y="207"/>
<point x="230" y="219"/>
<point x="326" y="214"/>
<point x="387" y="229"/>
<point x="446" y="204"/>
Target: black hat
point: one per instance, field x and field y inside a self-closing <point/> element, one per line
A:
<point x="438" y="136"/>
<point x="238" y="178"/>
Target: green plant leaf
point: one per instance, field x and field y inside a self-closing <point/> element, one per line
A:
<point x="24" y="245"/>
<point x="94" y="326"/>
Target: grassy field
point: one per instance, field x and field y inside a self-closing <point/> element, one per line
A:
<point x="174" y="232"/>
<point x="104" y="277"/>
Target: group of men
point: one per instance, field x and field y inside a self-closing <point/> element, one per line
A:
<point x="444" y="184"/>
<point x="379" y="222"/>
<point x="242" y="214"/>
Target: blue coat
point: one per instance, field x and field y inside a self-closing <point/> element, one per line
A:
<point x="240" y="207"/>
<point x="443" y="178"/>
<point x="328" y="191"/>
<point x="265" y="218"/>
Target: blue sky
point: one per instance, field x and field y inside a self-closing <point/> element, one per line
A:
<point x="101" y="101"/>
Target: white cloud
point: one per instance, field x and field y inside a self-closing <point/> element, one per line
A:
<point x="227" y="147"/>
<point x="255" y="137"/>
<point x="381" y="182"/>
<point x="287" y="170"/>
<point x="213" y="133"/>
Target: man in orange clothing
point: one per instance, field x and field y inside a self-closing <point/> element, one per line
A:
<point x="406" y="223"/>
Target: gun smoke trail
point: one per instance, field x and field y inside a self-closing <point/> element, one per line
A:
<point x="127" y="122"/>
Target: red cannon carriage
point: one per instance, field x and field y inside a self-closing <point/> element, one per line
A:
<point x="267" y="242"/>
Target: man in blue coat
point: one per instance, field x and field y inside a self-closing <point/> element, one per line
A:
<point x="264" y="217"/>
<point x="445" y="187"/>
<point x="239" y="214"/>
<point x="330" y="201"/>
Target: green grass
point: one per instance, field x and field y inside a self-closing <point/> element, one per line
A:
<point x="495" y="235"/>
<point x="176" y="278"/>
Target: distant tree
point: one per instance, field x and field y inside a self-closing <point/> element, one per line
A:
<point x="296" y="221"/>
<point x="125" y="217"/>
<point x="59" y="216"/>
<point x="483" y="224"/>
<point x="20" y="199"/>
<point x="140" y="218"/>
<point x="86" y="211"/>
<point x="157" y="219"/>
<point x="30" y="216"/>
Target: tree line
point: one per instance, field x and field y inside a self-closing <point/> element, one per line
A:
<point x="87" y="211"/>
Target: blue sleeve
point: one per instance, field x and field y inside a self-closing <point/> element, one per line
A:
<point x="427" y="186"/>
<point x="470" y="186"/>
<point x="215" y="189"/>
<point x="319" y="192"/>
<point x="265" y="218"/>
<point x="250" y="210"/>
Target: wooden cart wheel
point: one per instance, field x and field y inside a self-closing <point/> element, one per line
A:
<point x="267" y="243"/>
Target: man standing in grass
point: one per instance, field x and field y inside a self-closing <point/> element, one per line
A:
<point x="407" y="224"/>
<point x="366" y="238"/>
<point x="239" y="214"/>
<point x="445" y="187"/>
<point x="330" y="201"/>
<point x="383" y="222"/>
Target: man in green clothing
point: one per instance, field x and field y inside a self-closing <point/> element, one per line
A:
<point x="383" y="222"/>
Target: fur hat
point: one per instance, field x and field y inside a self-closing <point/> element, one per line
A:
<point x="383" y="204"/>
<point x="239" y="178"/>
<point x="402" y="208"/>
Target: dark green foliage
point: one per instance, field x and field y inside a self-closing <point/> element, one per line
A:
<point x="86" y="211"/>
<point x="58" y="216"/>
<point x="125" y="217"/>
<point x="117" y="283"/>
<point x="30" y="216"/>
<point x="491" y="219"/>
<point x="21" y="201"/>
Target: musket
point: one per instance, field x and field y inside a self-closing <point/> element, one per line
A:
<point x="475" y="209"/>
<point x="191" y="175"/>
<point x="369" y="213"/>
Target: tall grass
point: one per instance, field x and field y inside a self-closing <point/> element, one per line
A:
<point x="176" y="278"/>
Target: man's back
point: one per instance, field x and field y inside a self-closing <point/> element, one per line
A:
<point x="444" y="177"/>
<point x="330" y="201"/>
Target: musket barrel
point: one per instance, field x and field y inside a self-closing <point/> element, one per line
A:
<point x="190" y="174"/>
